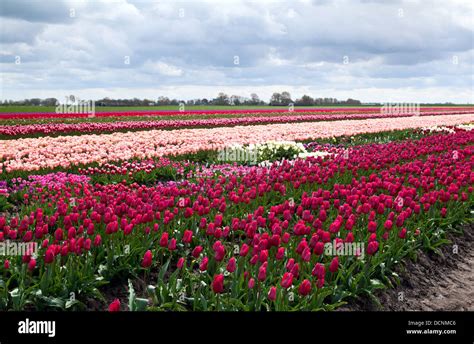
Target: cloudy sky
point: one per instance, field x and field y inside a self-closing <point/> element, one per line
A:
<point x="412" y="51"/>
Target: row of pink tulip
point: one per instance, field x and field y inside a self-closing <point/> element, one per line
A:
<point x="65" y="151"/>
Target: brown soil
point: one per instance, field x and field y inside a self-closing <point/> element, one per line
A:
<point x="435" y="282"/>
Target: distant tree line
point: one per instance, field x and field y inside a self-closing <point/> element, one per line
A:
<point x="277" y="99"/>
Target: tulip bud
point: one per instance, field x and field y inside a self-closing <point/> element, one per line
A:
<point x="305" y="288"/>
<point x="180" y="263"/>
<point x="287" y="280"/>
<point x="32" y="264"/>
<point x="231" y="265"/>
<point x="272" y="294"/>
<point x="147" y="259"/>
<point x="218" y="284"/>
<point x="114" y="306"/>
<point x="49" y="256"/>
<point x="334" y="266"/>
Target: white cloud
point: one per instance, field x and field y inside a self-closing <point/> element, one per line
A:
<point x="163" y="68"/>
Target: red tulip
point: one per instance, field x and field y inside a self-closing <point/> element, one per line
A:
<point x="244" y="250"/>
<point x="114" y="306"/>
<point x="372" y="228"/>
<point x="219" y="252"/>
<point x="172" y="245"/>
<point x="334" y="266"/>
<point x="197" y="251"/>
<point x="218" y="284"/>
<point x="203" y="265"/>
<point x="251" y="283"/>
<point x="58" y="234"/>
<point x="32" y="264"/>
<point x="180" y="263"/>
<point x="372" y="247"/>
<point x="231" y="265"/>
<point x="280" y="253"/>
<point x="443" y="212"/>
<point x="319" y="248"/>
<point x="97" y="240"/>
<point x="287" y="280"/>
<point x="403" y="233"/>
<point x="49" y="256"/>
<point x="319" y="271"/>
<point x="263" y="256"/>
<point x="306" y="255"/>
<point x="262" y="273"/>
<point x="305" y="288"/>
<point x="187" y="236"/>
<point x="164" y="239"/>
<point x="272" y="294"/>
<point x="295" y="270"/>
<point x="290" y="264"/>
<point x="147" y="259"/>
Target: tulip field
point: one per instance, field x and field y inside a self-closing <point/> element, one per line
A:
<point x="149" y="214"/>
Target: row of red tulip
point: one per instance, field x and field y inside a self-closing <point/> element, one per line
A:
<point x="257" y="111"/>
<point x="103" y="127"/>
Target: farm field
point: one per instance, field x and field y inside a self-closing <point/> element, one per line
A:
<point x="37" y="124"/>
<point x="236" y="169"/>
<point x="279" y="212"/>
<point x="51" y="109"/>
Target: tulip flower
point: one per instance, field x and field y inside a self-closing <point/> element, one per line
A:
<point x="319" y="271"/>
<point x="287" y="280"/>
<point x="49" y="257"/>
<point x="180" y="263"/>
<point x="164" y="239"/>
<point x="231" y="265"/>
<point x="334" y="266"/>
<point x="203" y="265"/>
<point x="197" y="251"/>
<point x="403" y="233"/>
<point x="172" y="244"/>
<point x="262" y="273"/>
<point x="114" y="306"/>
<point x="32" y="264"/>
<point x="244" y="250"/>
<point x="187" y="236"/>
<point x="372" y="247"/>
<point x="305" y="288"/>
<point x="372" y="228"/>
<point x="147" y="259"/>
<point x="272" y="294"/>
<point x="218" y="284"/>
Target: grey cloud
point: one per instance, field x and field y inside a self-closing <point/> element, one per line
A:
<point x="51" y="11"/>
<point x="277" y="43"/>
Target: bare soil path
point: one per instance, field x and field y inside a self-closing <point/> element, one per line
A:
<point x="434" y="282"/>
